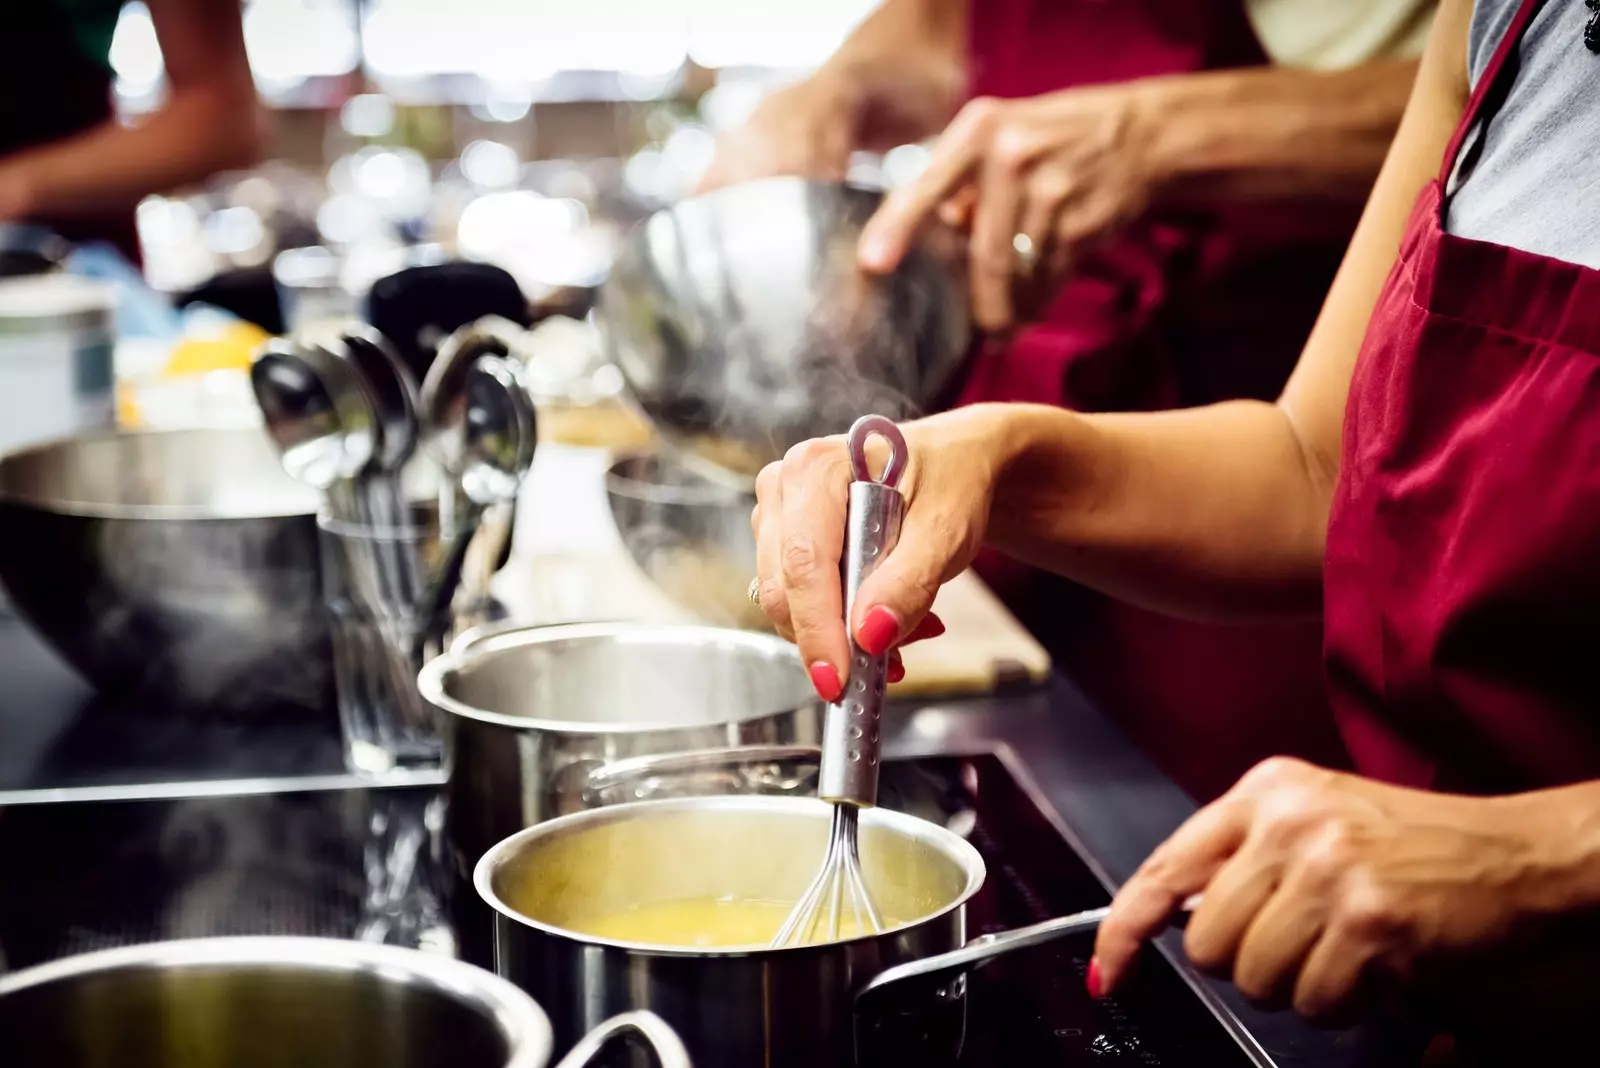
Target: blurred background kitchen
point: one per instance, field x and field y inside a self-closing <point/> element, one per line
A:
<point x="402" y="132"/>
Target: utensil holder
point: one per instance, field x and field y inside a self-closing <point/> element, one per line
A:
<point x="394" y="601"/>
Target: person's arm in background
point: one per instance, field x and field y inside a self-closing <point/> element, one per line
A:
<point x="211" y="121"/>
<point x="1214" y="512"/>
<point x="1069" y="168"/>
<point x="897" y="79"/>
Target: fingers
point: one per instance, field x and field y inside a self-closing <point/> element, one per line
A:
<point x="1047" y="194"/>
<point x="815" y="480"/>
<point x="1274" y="946"/>
<point x="1332" y="976"/>
<point x="767" y="519"/>
<point x="888" y="234"/>
<point x="994" y="230"/>
<point x="1234" y="897"/>
<point x="893" y="602"/>
<point x="1181" y="866"/>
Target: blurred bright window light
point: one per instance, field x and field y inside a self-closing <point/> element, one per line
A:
<point x="777" y="34"/>
<point x="523" y="39"/>
<point x="499" y="223"/>
<point x="490" y="164"/>
<point x="367" y="115"/>
<point x="291" y="40"/>
<point x="135" y="52"/>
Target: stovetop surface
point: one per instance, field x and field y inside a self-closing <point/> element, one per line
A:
<point x="368" y="864"/>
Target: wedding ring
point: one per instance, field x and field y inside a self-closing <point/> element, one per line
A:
<point x="1027" y="252"/>
<point x="754" y="592"/>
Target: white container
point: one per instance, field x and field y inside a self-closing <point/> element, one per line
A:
<point x="56" y="337"/>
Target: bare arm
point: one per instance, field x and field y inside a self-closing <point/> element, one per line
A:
<point x="907" y="64"/>
<point x="1216" y="512"/>
<point x="210" y="122"/>
<point x="896" y="79"/>
<point x="1222" y="511"/>
<point x="1274" y="131"/>
<point x="1068" y="169"/>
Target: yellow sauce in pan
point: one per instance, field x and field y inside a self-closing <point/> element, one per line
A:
<point x="704" y="922"/>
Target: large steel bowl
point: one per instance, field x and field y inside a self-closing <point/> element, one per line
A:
<point x="689" y="534"/>
<point x="177" y="565"/>
<point x="742" y="324"/>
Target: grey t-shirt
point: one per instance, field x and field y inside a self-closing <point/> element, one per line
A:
<point x="1535" y="185"/>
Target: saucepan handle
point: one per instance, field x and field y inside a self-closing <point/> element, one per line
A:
<point x="636" y="771"/>
<point x="646" y="1026"/>
<point x="985" y="948"/>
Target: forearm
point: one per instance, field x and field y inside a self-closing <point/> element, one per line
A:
<point x="906" y="64"/>
<point x="1207" y="513"/>
<point x="111" y="167"/>
<point x="1272" y="132"/>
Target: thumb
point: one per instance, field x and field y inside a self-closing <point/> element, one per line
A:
<point x="896" y="597"/>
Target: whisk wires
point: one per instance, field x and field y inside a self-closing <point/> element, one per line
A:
<point x="838" y="889"/>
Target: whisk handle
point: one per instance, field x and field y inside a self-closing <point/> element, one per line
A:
<point x="852" y="729"/>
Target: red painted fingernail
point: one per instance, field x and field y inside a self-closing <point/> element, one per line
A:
<point x="897" y="671"/>
<point x="825" y="678"/>
<point x="878" y="631"/>
<point x="1092" y="980"/>
<point x="930" y="627"/>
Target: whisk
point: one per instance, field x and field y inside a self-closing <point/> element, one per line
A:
<point x="850" y="738"/>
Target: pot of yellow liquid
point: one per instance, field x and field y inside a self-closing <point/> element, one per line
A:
<point x="669" y="905"/>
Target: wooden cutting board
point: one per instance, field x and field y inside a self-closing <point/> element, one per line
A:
<point x="568" y="565"/>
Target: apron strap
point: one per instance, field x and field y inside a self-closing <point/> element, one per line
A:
<point x="1493" y="85"/>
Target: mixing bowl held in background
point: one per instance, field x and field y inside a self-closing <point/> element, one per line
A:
<point x="742" y="324"/>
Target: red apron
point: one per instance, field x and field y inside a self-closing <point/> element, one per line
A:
<point x="1184" y="308"/>
<point x="1463" y="560"/>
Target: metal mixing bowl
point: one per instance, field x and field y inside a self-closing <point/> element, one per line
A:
<point x="742" y="324"/>
<point x="690" y="534"/>
<point x="180" y="565"/>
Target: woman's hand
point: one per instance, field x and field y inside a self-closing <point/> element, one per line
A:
<point x="799" y="521"/>
<point x="1318" y="885"/>
<point x="1036" y="180"/>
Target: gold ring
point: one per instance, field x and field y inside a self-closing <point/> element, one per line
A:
<point x="754" y="592"/>
<point x="1027" y="252"/>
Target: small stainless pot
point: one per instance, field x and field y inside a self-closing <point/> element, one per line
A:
<point x="533" y="716"/>
<point x="270" y="1002"/>
<point x="780" y="1008"/>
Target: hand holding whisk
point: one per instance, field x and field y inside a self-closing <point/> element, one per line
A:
<point x="851" y="736"/>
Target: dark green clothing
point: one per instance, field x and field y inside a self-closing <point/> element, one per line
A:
<point x="93" y="23"/>
<point x="55" y="81"/>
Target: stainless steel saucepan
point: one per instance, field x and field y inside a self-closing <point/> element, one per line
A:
<point x="804" y="1006"/>
<point x="535" y="717"/>
<point x="273" y="1002"/>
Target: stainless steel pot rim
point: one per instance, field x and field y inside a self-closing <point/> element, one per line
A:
<point x="958" y="848"/>
<point x="710" y="491"/>
<point x="435" y="674"/>
<point x="305" y="502"/>
<point x="519" y="1017"/>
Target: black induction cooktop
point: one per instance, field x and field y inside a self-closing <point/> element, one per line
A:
<point x="368" y="864"/>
